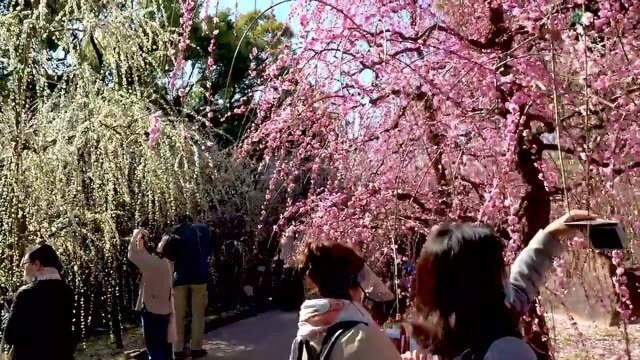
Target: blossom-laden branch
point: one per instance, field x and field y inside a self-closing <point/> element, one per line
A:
<point x="447" y="112"/>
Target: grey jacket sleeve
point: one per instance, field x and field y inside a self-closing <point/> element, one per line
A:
<point x="529" y="270"/>
<point x="510" y="348"/>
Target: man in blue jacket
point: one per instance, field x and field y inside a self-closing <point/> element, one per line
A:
<point x="191" y="275"/>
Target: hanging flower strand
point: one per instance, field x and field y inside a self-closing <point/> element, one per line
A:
<point x="620" y="280"/>
<point x="154" y="128"/>
<point x="188" y="7"/>
<point x="211" y="65"/>
<point x="204" y="14"/>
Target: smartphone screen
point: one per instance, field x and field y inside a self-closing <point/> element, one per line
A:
<point x="602" y="234"/>
<point x="605" y="237"/>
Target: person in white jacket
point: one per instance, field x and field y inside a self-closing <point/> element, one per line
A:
<point x="155" y="300"/>
<point x="338" y="275"/>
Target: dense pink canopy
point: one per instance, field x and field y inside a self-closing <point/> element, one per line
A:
<point x="404" y="114"/>
<point x="426" y="111"/>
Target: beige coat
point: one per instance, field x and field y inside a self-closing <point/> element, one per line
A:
<point x="363" y="343"/>
<point x="157" y="283"/>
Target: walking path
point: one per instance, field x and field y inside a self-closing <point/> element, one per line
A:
<point x="267" y="336"/>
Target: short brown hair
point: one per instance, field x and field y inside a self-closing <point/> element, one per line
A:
<point x="333" y="267"/>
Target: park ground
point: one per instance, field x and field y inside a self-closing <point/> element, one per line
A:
<point x="269" y="335"/>
<point x="265" y="336"/>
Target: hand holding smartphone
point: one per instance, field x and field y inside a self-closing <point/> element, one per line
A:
<point x="602" y="234"/>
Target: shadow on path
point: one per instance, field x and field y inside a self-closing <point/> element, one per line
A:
<point x="266" y="336"/>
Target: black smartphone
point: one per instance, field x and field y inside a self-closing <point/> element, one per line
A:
<point x="602" y="234"/>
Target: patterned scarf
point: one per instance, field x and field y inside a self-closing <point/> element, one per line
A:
<point x="319" y="314"/>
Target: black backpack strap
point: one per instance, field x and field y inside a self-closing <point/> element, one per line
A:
<point x="305" y="347"/>
<point x="476" y="353"/>
<point x="333" y="334"/>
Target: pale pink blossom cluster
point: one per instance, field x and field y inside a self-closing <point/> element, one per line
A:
<point x="154" y="129"/>
<point x="186" y="21"/>
<point x="624" y="306"/>
<point x="211" y="64"/>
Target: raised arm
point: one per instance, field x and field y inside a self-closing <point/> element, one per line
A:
<point x="210" y="240"/>
<point x="205" y="238"/>
<point x="530" y="269"/>
<point x="137" y="253"/>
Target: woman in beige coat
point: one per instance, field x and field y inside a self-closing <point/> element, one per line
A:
<point x="155" y="300"/>
<point x="336" y="326"/>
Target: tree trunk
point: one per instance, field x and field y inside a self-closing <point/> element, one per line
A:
<point x="116" y="325"/>
<point x="536" y="212"/>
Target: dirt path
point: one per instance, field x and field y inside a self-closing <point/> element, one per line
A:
<point x="267" y="336"/>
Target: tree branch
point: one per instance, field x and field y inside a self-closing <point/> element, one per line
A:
<point x="403" y="196"/>
<point x="617" y="170"/>
<point x="476" y="186"/>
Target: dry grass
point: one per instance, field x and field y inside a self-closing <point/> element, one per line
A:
<point x="592" y="340"/>
<point x="102" y="348"/>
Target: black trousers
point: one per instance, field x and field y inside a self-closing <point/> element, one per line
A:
<point x="155" y="328"/>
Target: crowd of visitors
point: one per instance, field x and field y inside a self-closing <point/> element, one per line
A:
<point x="174" y="268"/>
<point x="467" y="304"/>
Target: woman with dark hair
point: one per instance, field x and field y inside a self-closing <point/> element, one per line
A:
<point x="335" y="326"/>
<point x="468" y="305"/>
<point x="41" y="318"/>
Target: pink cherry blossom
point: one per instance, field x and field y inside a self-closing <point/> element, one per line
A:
<point x="154" y="128"/>
<point x="397" y="116"/>
<point x="587" y="18"/>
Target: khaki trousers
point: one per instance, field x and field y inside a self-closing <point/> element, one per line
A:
<point x="199" y="298"/>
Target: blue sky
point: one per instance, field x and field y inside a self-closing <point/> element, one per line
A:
<point x="281" y="11"/>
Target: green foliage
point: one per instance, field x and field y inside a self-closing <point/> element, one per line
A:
<point x="576" y="16"/>
<point x="78" y="82"/>
<point x="231" y="87"/>
<point x="128" y="46"/>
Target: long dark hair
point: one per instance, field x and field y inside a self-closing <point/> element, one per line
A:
<point x="333" y="267"/>
<point x="460" y="295"/>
